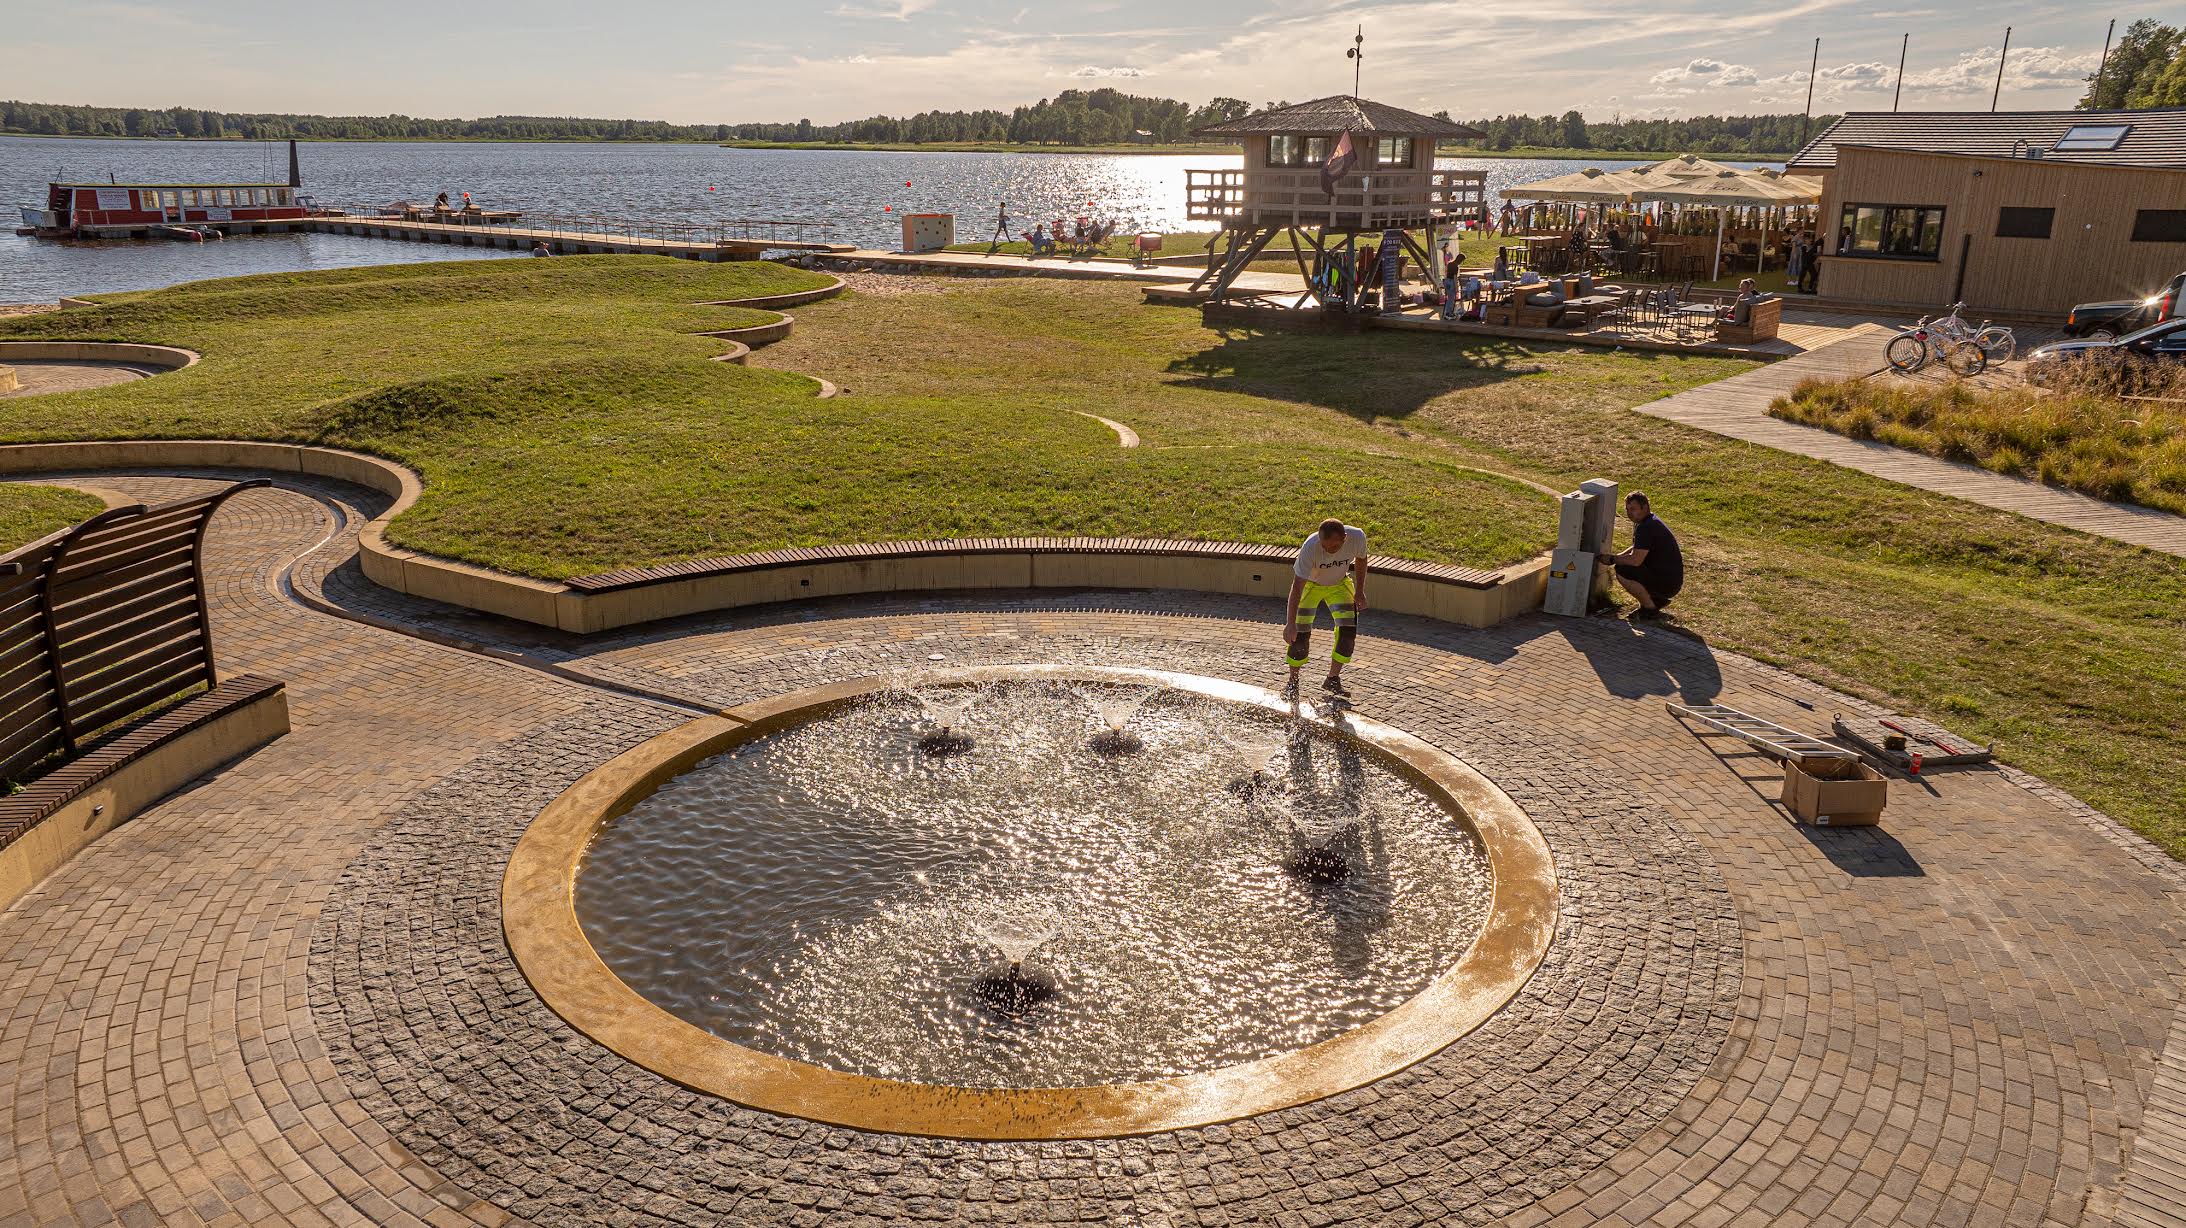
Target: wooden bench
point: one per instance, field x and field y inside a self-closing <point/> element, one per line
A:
<point x="1760" y="326"/>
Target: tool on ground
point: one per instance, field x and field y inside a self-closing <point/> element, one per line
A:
<point x="1784" y="695"/>
<point x="1897" y="748"/>
<point x="1774" y="740"/>
<point x="1945" y="747"/>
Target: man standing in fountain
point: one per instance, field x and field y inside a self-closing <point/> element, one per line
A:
<point x="1331" y="571"/>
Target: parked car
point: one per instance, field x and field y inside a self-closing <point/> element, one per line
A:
<point x="2105" y="320"/>
<point x="2163" y="343"/>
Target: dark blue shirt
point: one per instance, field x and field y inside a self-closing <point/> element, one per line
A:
<point x="1663" y="556"/>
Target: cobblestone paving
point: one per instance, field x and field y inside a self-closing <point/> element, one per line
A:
<point x="35" y="378"/>
<point x="282" y="996"/>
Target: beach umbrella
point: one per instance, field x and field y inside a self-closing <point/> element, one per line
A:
<point x="1591" y="184"/>
<point x="1729" y="189"/>
<point x="1684" y="166"/>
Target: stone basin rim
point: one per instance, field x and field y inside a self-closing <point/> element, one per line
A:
<point x="539" y="921"/>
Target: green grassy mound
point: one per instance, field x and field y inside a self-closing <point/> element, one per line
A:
<point x="565" y="422"/>
<point x="29" y="512"/>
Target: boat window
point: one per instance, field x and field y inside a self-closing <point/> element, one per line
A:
<point x="223" y="197"/>
<point x="252" y="193"/>
<point x="170" y="199"/>
<point x="281" y="196"/>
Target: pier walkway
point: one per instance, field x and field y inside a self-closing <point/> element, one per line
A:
<point x="591" y="236"/>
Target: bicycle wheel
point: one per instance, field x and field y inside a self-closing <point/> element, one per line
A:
<point x="1998" y="345"/>
<point x="1906" y="353"/>
<point x="1966" y="359"/>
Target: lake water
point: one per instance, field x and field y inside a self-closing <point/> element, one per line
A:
<point x="860" y="194"/>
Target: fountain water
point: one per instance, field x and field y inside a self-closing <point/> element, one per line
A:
<point x="947" y="712"/>
<point x="1038" y="914"/>
<point x="1116" y="708"/>
<point x="1017" y="985"/>
<point x="1251" y="748"/>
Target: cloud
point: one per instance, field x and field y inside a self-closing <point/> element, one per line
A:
<point x="1095" y="71"/>
<point x="890" y="10"/>
<point x="1975" y="71"/>
<point x="1703" y="74"/>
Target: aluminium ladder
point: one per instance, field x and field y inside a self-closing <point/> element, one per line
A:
<point x="1773" y="739"/>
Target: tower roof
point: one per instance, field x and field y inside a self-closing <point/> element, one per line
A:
<point x="1341" y="113"/>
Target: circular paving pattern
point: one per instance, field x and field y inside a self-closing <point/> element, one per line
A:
<point x="541" y="902"/>
<point x="435" y="1029"/>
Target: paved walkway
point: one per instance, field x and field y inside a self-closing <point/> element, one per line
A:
<point x="1738" y="407"/>
<point x="282" y="996"/>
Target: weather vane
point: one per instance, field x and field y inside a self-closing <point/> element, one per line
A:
<point x="1356" y="53"/>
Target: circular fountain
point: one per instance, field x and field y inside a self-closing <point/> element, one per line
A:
<point x="1118" y="902"/>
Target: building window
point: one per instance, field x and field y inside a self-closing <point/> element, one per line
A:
<point x="2159" y="226"/>
<point x="1286" y="151"/>
<point x="2092" y="138"/>
<point x="1393" y="151"/>
<point x="2014" y="222"/>
<point x="1895" y="232"/>
<point x="1317" y="151"/>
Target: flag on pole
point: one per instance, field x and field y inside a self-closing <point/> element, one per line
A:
<point x="1340" y="161"/>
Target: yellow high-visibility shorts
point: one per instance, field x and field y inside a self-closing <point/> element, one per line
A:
<point x="1342" y="603"/>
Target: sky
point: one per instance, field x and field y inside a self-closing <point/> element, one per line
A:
<point x="731" y="61"/>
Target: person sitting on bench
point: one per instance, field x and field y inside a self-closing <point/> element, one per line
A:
<point x="1652" y="568"/>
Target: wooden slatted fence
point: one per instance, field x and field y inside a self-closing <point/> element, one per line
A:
<point x="100" y="621"/>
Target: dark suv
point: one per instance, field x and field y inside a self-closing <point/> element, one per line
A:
<point x="2106" y="320"/>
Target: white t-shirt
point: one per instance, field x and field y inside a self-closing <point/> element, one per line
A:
<point x="1320" y="566"/>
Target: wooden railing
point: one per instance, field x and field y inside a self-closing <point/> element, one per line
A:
<point x="1399" y="198"/>
<point x="99" y="622"/>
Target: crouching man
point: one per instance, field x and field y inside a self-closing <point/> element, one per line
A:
<point x="1652" y="568"/>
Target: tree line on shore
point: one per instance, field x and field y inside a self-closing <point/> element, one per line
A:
<point x="1073" y="117"/>
<point x="2147" y="68"/>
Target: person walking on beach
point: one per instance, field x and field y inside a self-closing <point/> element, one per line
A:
<point x="1331" y="572"/>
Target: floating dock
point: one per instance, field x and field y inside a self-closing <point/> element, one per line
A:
<point x="748" y="241"/>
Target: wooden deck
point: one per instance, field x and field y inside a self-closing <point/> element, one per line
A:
<point x="1738" y="407"/>
<point x="562" y="241"/>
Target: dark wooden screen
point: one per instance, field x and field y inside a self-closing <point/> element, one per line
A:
<point x="100" y="621"/>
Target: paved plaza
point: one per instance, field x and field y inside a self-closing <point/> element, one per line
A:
<point x="282" y="996"/>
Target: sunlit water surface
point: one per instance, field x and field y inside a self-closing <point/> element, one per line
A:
<point x="860" y="194"/>
<point x="837" y="893"/>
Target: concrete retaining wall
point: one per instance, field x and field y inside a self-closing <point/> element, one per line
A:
<point x="135" y="786"/>
<point x="553" y="604"/>
<point x="166" y="357"/>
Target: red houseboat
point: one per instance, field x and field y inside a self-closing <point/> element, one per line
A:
<point x="119" y="210"/>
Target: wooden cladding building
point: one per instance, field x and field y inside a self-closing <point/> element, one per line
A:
<point x="2015" y="214"/>
<point x="1392" y="183"/>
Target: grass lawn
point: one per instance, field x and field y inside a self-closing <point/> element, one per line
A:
<point x="29" y="512"/>
<point x="2068" y="651"/>
<point x="2131" y="451"/>
<point x="565" y="422"/>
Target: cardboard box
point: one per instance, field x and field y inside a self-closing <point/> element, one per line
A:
<point x="1834" y="792"/>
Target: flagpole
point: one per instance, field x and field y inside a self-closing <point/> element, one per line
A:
<point x="1899" y="92"/>
<point x="2001" y="56"/>
<point x="1811" y="70"/>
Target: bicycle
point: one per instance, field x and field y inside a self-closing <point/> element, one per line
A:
<point x="1915" y="347"/>
<point x="1997" y="343"/>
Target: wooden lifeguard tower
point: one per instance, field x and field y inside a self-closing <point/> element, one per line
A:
<point x="1392" y="184"/>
